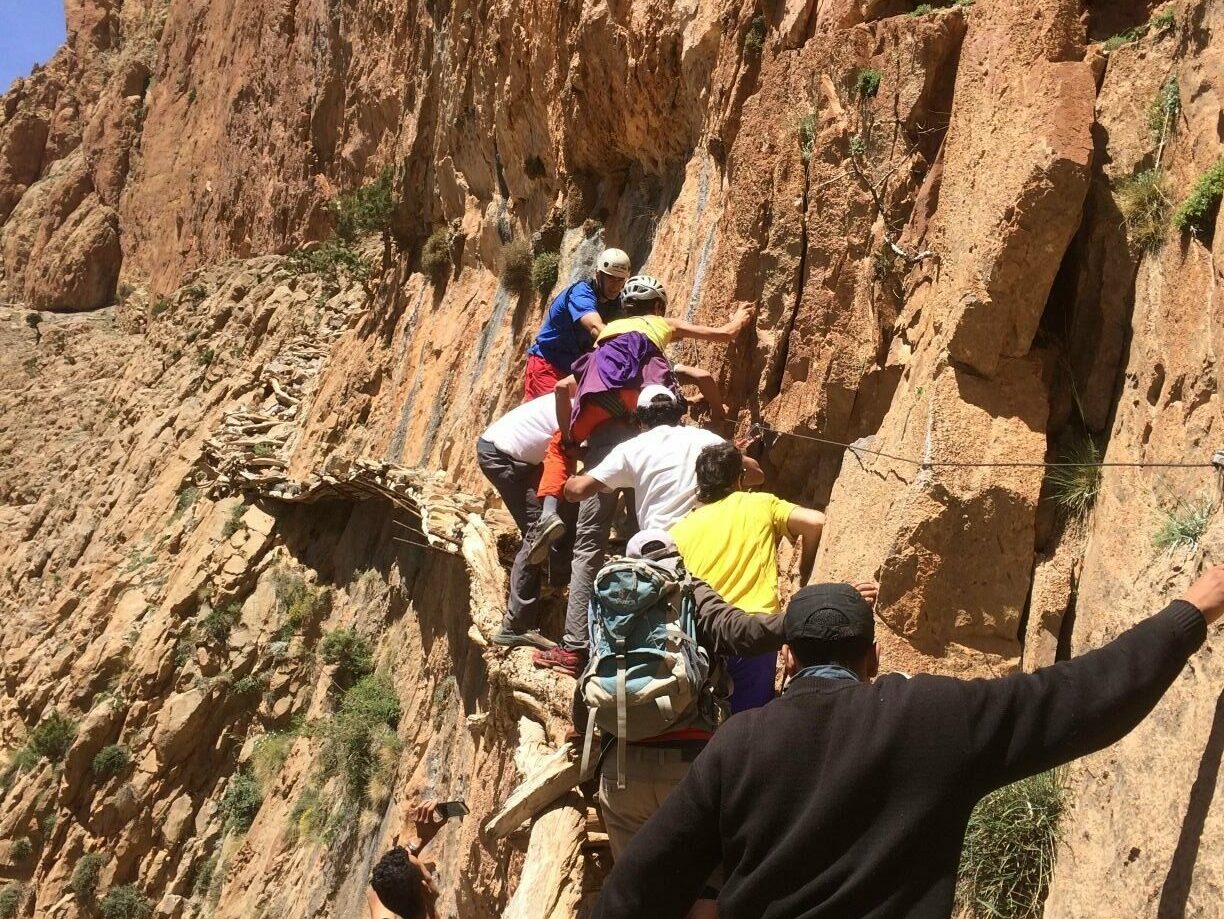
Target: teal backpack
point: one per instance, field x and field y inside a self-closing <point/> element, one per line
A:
<point x="646" y="668"/>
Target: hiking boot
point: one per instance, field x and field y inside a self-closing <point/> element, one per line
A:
<point x="548" y="530"/>
<point x="529" y="639"/>
<point x="559" y="659"/>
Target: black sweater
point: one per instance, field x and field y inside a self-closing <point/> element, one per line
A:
<point x="850" y="800"/>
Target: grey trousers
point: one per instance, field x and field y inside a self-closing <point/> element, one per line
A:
<point x="516" y="482"/>
<point x="590" y="549"/>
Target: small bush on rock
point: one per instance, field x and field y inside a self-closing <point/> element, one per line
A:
<point x="53" y="736"/>
<point x="84" y="883"/>
<point x="755" y="39"/>
<point x="544" y="272"/>
<point x="22" y="848"/>
<point x="867" y="83"/>
<point x="436" y="256"/>
<point x="241" y="802"/>
<point x="268" y="757"/>
<point x="366" y="210"/>
<point x="125" y="902"/>
<point x="111" y="760"/>
<point x="807" y="135"/>
<point x="359" y="742"/>
<point x="10" y="900"/>
<point x="1197" y="214"/>
<point x="350" y="652"/>
<point x="516" y="267"/>
<point x="1163" y="111"/>
<point x="331" y="259"/>
<point x="921" y="10"/>
<point x="234" y="523"/>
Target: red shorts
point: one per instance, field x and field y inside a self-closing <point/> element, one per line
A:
<point x="558" y="466"/>
<point x="541" y="379"/>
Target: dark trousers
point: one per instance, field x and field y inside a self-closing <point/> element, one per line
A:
<point x="516" y="482"/>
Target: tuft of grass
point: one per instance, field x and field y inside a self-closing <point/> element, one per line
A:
<point x="755" y="39"/>
<point x="10" y="900"/>
<point x="1009" y="850"/>
<point x="125" y="902"/>
<point x="205" y="356"/>
<point x="883" y="263"/>
<point x="310" y="814"/>
<point x="516" y="266"/>
<point x="159" y="307"/>
<point x="268" y="757"/>
<point x="195" y="293"/>
<point x="22" y="848"/>
<point x="858" y="146"/>
<point x="53" y="736"/>
<point x="1129" y="37"/>
<point x="436" y="261"/>
<point x="365" y="210"/>
<point x="1074" y="488"/>
<point x="1183" y="526"/>
<point x="110" y="760"/>
<point x="1144" y="207"/>
<point x="234" y="523"/>
<point x="241" y="802"/>
<point x="84" y="883"/>
<point x="350" y="652"/>
<point x="1163" y="111"/>
<point x="1197" y="214"/>
<point x="359" y="741"/>
<point x="867" y="83"/>
<point x="544" y="272"/>
<point x="921" y="10"/>
<point x="807" y="135"/>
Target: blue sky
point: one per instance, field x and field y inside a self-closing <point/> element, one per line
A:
<point x="30" y="33"/>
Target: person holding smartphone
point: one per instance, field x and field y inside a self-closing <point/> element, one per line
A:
<point x="403" y="885"/>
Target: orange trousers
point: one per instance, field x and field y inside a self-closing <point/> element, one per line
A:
<point x="558" y="465"/>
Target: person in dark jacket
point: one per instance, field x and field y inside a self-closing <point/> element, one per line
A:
<point x="850" y="798"/>
<point x="656" y="765"/>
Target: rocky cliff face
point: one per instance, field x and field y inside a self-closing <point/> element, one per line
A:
<point x="215" y="454"/>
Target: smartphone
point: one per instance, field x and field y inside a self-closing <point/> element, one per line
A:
<point x="448" y="809"/>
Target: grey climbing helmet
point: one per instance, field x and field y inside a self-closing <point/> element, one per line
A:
<point x="642" y="287"/>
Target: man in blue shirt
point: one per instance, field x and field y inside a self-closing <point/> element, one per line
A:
<point x="573" y="322"/>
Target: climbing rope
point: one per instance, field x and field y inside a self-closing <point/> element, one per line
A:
<point x="754" y="430"/>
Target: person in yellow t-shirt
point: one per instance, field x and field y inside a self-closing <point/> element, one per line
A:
<point x="730" y="541"/>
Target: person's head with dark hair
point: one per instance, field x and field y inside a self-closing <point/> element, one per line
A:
<point x="830" y="624"/>
<point x="657" y="405"/>
<point x="404" y="885"/>
<point x="720" y="468"/>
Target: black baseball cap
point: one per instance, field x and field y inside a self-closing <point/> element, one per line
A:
<point x="836" y="614"/>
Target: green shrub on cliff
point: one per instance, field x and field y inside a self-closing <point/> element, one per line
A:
<point x="755" y="39"/>
<point x="867" y="83"/>
<point x="84" y="882"/>
<point x="110" y="760"/>
<point x="53" y="736"/>
<point x="1074" y="486"/>
<point x="366" y="210"/>
<point x="436" y="255"/>
<point x="1184" y="525"/>
<point x="359" y="741"/>
<point x="10" y="900"/>
<point x="1197" y="214"/>
<point x="544" y="272"/>
<point x="125" y="902"/>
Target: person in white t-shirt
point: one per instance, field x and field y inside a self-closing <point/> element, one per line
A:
<point x="660" y="464"/>
<point x="510" y="453"/>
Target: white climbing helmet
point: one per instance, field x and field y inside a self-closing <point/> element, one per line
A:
<point x="642" y="287"/>
<point x="613" y="262"/>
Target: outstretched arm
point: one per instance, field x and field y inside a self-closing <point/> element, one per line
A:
<point x="727" y="332"/>
<point x="593" y="323"/>
<point x="705" y="382"/>
<point x="1026" y="723"/>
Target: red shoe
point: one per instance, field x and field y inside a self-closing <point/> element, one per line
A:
<point x="567" y="662"/>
